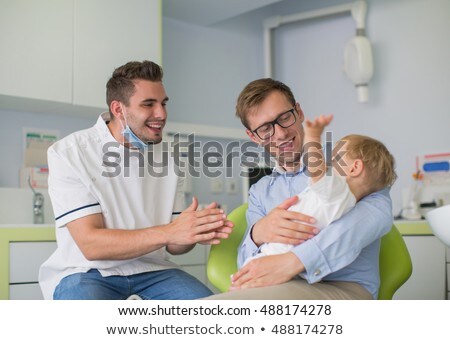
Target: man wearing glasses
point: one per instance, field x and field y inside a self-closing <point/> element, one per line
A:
<point x="340" y="262"/>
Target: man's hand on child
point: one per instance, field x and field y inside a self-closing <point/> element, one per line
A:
<point x="267" y="271"/>
<point x="283" y="226"/>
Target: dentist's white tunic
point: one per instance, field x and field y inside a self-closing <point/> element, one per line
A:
<point x="87" y="177"/>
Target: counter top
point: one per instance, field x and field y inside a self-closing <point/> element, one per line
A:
<point x="409" y="228"/>
<point x="25" y="232"/>
<point x="26" y="225"/>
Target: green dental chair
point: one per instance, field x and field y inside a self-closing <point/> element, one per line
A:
<point x="395" y="262"/>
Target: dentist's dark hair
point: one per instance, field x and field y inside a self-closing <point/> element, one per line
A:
<point x="121" y="84"/>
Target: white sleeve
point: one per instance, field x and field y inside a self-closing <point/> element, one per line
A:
<point x="333" y="199"/>
<point x="71" y="199"/>
<point x="330" y="187"/>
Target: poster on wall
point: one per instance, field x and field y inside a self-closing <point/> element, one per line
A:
<point x="35" y="141"/>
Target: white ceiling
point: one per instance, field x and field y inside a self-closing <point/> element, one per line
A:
<point x="208" y="12"/>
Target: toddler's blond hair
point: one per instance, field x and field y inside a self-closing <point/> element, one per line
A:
<point x="377" y="159"/>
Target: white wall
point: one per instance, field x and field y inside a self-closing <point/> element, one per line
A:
<point x="12" y="123"/>
<point x="224" y="170"/>
<point x="409" y="94"/>
<point x="206" y="67"/>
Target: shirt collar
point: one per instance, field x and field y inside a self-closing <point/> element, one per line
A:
<point x="102" y="127"/>
<point x="278" y="169"/>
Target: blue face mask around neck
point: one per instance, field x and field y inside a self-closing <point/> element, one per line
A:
<point x="134" y="140"/>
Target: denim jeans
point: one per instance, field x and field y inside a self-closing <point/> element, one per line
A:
<point x="168" y="284"/>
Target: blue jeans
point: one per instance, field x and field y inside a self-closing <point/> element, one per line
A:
<point x="168" y="284"/>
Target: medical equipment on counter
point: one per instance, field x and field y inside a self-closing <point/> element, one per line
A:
<point x="410" y="210"/>
<point x="436" y="178"/>
<point x="431" y="187"/>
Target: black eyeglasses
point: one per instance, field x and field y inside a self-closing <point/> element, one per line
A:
<point x="284" y="120"/>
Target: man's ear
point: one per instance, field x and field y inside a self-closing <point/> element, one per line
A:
<point x="116" y="109"/>
<point x="357" y="168"/>
<point x="252" y="136"/>
<point x="301" y="116"/>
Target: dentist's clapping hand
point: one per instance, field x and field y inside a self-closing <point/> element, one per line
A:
<point x="206" y="226"/>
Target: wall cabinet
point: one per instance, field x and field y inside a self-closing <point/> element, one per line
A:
<point x="428" y="280"/>
<point x="64" y="51"/>
<point x="25" y="258"/>
<point x="36" y="54"/>
<point x="109" y="33"/>
<point x="22" y="250"/>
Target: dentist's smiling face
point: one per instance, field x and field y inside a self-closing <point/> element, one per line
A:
<point x="146" y="113"/>
<point x="286" y="143"/>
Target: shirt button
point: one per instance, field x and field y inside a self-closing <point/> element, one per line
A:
<point x="317" y="272"/>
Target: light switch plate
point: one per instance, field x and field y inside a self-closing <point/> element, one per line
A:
<point x="216" y="186"/>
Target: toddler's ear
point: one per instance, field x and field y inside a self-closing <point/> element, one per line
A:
<point x="357" y="168"/>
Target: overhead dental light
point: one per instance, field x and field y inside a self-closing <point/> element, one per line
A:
<point x="358" y="61"/>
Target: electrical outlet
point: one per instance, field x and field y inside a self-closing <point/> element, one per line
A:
<point x="232" y="187"/>
<point x="216" y="186"/>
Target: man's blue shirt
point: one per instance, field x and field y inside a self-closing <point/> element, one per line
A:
<point x="346" y="250"/>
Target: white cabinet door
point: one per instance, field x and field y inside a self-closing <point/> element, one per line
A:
<point x="29" y="291"/>
<point x="64" y="51"/>
<point x="25" y="259"/>
<point x="37" y="49"/>
<point x="427" y="281"/>
<point x="109" y="33"/>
